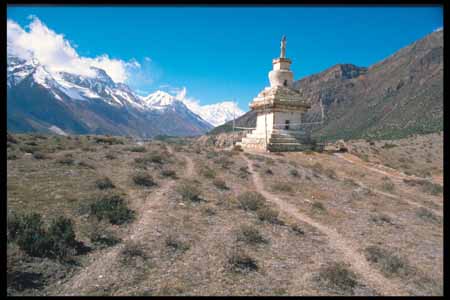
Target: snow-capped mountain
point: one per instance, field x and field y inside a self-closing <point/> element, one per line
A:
<point x="217" y="114"/>
<point x="39" y="100"/>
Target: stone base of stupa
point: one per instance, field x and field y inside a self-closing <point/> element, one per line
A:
<point x="277" y="141"/>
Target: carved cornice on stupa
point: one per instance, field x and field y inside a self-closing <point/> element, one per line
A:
<point x="282" y="98"/>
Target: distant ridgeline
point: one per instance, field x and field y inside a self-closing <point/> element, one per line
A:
<point x="397" y="97"/>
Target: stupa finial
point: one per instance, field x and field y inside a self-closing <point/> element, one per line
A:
<point x="283" y="47"/>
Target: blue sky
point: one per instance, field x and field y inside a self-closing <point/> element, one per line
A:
<point x="223" y="53"/>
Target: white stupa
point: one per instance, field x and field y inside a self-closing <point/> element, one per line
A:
<point x="279" y="109"/>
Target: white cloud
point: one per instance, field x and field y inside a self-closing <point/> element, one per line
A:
<point x="57" y="54"/>
<point x="438" y="29"/>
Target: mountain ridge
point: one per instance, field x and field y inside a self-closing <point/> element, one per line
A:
<point x="93" y="104"/>
<point x="385" y="100"/>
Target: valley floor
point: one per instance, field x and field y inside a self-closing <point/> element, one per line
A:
<point x="209" y="221"/>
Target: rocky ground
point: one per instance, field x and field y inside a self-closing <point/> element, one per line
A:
<point x="197" y="219"/>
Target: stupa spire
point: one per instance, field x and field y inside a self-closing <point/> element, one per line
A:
<point x="283" y="47"/>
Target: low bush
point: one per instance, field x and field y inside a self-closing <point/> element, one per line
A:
<point x="338" y="277"/>
<point x="113" y="208"/>
<point x="269" y="172"/>
<point x="104" y="239"/>
<point x="387" y="184"/>
<point x="132" y="251"/>
<point x="427" y="215"/>
<point x="269" y="215"/>
<point x="207" y="172"/>
<point x="39" y="155"/>
<point x="110" y="156"/>
<point x="381" y="219"/>
<point x="220" y="183"/>
<point x="87" y="165"/>
<point x="28" y="149"/>
<point x="11" y="156"/>
<point x="282" y="187"/>
<point x="169" y="173"/>
<point x="189" y="191"/>
<point x="11" y="139"/>
<point x="250" y="235"/>
<point x="251" y="200"/>
<point x="318" y="207"/>
<point x="108" y="140"/>
<point x="427" y="186"/>
<point x="389" y="263"/>
<point x="104" y="183"/>
<point x="176" y="244"/>
<point x="66" y="161"/>
<point x="330" y="173"/>
<point x="294" y="173"/>
<point x="297" y="229"/>
<point x="30" y="234"/>
<point x="241" y="262"/>
<point x="143" y="179"/>
<point x="136" y="149"/>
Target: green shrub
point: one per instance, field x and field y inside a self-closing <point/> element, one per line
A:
<point x="11" y="156"/>
<point x="155" y="157"/>
<point x="330" y="173"/>
<point x="381" y="219"/>
<point x="269" y="215"/>
<point x="297" y="229"/>
<point x="86" y="165"/>
<point x="168" y="173"/>
<point x="387" y="184"/>
<point x="189" y="191"/>
<point x="137" y="149"/>
<point x="241" y="262"/>
<point x="104" y="183"/>
<point x="39" y="155"/>
<point x="250" y="235"/>
<point x="104" y="239"/>
<point x="108" y="140"/>
<point x="427" y="215"/>
<point x="58" y="241"/>
<point x="427" y="186"/>
<point x="338" y="277"/>
<point x="62" y="234"/>
<point x="282" y="187"/>
<point x="11" y="139"/>
<point x="318" y="207"/>
<point x="220" y="184"/>
<point x="388" y="146"/>
<point x="175" y="244"/>
<point x="113" y="208"/>
<point x="143" y="179"/>
<point x="432" y="188"/>
<point x="251" y="200"/>
<point x="28" y="149"/>
<point x="269" y="172"/>
<point x="207" y="172"/>
<point x="294" y="172"/>
<point x="131" y="251"/>
<point x="110" y="156"/>
<point x="388" y="262"/>
<point x="66" y="161"/>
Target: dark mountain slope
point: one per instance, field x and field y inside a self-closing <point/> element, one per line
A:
<point x="399" y="96"/>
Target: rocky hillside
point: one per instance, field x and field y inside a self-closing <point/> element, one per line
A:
<point x="394" y="98"/>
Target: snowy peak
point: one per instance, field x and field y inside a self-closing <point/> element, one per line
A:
<point x="160" y="100"/>
<point x="218" y="113"/>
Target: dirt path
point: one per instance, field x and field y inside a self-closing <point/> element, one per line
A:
<point x="392" y="174"/>
<point x="384" y="170"/>
<point x="372" y="277"/>
<point x="92" y="276"/>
